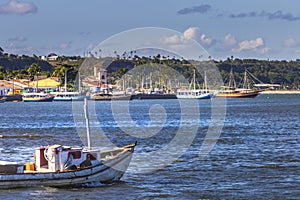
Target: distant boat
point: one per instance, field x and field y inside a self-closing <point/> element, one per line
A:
<point x="153" y="95"/>
<point x="37" y="97"/>
<point x="231" y="91"/>
<point x="68" y="96"/>
<point x="65" y="166"/>
<point x="237" y="93"/>
<point x="13" y="97"/>
<point x="2" y="99"/>
<point x="195" y="93"/>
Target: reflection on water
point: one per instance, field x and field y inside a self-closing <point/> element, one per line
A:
<point x="256" y="156"/>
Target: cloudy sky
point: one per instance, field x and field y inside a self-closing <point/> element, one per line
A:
<point x="268" y="29"/>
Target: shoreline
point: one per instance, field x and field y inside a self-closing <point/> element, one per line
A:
<point x="280" y="92"/>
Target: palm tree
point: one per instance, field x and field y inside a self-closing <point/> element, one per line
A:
<point x="59" y="72"/>
<point x="34" y="69"/>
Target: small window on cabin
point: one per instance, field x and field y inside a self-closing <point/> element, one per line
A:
<point x="75" y="154"/>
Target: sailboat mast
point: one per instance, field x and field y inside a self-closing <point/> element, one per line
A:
<point x="205" y="81"/>
<point x="87" y="123"/>
<point x="79" y="83"/>
<point x="232" y="83"/>
<point x="66" y="80"/>
<point x="194" y="77"/>
<point x="37" y="82"/>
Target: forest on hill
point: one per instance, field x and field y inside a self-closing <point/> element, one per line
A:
<point x="285" y="73"/>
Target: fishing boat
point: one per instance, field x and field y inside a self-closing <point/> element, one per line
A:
<point x="64" y="166"/>
<point x="231" y="91"/>
<point x="195" y="93"/>
<point x="37" y="97"/>
<point x="68" y="96"/>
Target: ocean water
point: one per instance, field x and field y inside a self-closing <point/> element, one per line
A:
<point x="256" y="155"/>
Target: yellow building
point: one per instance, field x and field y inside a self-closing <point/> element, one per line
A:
<point x="48" y="83"/>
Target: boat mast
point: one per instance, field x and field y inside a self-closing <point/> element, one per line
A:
<point x="246" y="84"/>
<point x="194" y="77"/>
<point x="79" y="83"/>
<point x="87" y="123"/>
<point x="37" y="82"/>
<point x="205" y="81"/>
<point x="232" y="83"/>
<point x="66" y="80"/>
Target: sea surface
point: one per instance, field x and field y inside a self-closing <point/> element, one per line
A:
<point x="255" y="156"/>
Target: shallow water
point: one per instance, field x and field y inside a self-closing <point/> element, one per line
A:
<point x="256" y="156"/>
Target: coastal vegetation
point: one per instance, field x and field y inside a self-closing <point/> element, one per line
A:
<point x="283" y="72"/>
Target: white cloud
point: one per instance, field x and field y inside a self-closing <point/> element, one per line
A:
<point x="229" y="41"/>
<point x="257" y="45"/>
<point x="264" y="50"/>
<point x="16" y="7"/>
<point x="172" y="39"/>
<point x="192" y="33"/>
<point x="290" y="42"/>
<point x="206" y="41"/>
<point x="251" y="44"/>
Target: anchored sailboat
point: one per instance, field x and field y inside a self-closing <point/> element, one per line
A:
<point x="232" y="91"/>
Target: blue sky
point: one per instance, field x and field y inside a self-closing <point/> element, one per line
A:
<point x="266" y="29"/>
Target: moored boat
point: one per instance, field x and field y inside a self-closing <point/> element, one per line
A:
<point x="194" y="94"/>
<point x="37" y="97"/>
<point x="237" y="93"/>
<point x="2" y="99"/>
<point x="68" y="96"/>
<point x="153" y="96"/>
<point x="13" y="97"/>
<point x="231" y="91"/>
<point x="64" y="166"/>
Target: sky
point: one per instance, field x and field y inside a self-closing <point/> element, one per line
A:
<point x="268" y="29"/>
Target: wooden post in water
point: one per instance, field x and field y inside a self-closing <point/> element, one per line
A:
<point x="87" y="122"/>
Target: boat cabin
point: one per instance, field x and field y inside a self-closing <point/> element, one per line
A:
<point x="63" y="158"/>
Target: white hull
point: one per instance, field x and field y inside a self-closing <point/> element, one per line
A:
<point x="194" y="94"/>
<point x="68" y="96"/>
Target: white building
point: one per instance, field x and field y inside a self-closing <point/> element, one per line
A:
<point x="100" y="74"/>
<point x="52" y="57"/>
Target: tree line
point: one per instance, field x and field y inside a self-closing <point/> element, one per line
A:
<point x="285" y="73"/>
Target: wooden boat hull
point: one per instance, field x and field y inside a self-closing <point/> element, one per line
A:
<point x="103" y="172"/>
<point x="33" y="99"/>
<point x="238" y="95"/>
